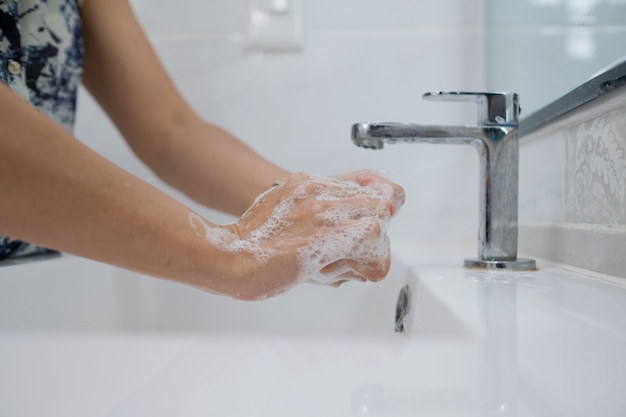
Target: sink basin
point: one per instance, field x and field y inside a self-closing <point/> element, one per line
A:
<point x="549" y="343"/>
<point x="546" y="343"/>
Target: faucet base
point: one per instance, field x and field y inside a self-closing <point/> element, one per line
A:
<point x="515" y="265"/>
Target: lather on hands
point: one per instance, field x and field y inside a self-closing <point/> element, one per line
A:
<point x="310" y="228"/>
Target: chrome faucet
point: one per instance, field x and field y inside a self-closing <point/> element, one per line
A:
<point x="496" y="140"/>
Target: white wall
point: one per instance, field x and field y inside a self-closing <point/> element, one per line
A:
<point x="362" y="60"/>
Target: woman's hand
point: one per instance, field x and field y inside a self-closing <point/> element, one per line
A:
<point x="372" y="179"/>
<point x="308" y="228"/>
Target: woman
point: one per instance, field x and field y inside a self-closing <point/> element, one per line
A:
<point x="58" y="193"/>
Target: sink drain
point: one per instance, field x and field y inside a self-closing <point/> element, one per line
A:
<point x="402" y="308"/>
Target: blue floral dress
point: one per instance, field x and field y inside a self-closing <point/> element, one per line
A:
<point x="41" y="60"/>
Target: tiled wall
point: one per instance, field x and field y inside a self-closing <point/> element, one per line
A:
<point x="361" y="60"/>
<point x="573" y="188"/>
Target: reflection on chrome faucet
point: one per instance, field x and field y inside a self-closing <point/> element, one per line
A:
<point x="496" y="140"/>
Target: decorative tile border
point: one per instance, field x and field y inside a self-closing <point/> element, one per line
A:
<point x="576" y="214"/>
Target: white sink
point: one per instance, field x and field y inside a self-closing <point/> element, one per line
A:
<point x="548" y="343"/>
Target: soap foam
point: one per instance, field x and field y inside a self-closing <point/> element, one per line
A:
<point x="351" y="231"/>
<point x="357" y="241"/>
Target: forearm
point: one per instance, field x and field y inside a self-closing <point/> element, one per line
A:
<point x="203" y="161"/>
<point x="58" y="193"/>
<point x="214" y="168"/>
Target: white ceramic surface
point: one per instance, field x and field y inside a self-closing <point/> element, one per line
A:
<point x="549" y="343"/>
<point x="546" y="343"/>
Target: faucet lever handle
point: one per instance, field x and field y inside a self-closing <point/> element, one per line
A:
<point x="493" y="108"/>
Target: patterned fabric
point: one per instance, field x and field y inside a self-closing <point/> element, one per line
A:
<point x="41" y="59"/>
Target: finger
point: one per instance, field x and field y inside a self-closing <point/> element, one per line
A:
<point x="356" y="245"/>
<point x="347" y="185"/>
<point x="371" y="269"/>
<point x="337" y="212"/>
<point x="304" y="186"/>
<point x="332" y="201"/>
<point x="340" y="271"/>
<point x="384" y="187"/>
<point x="330" y="276"/>
<point x="371" y="260"/>
<point x="325" y="188"/>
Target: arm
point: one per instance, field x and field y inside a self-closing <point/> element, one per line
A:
<point x="124" y="75"/>
<point x="58" y="193"/>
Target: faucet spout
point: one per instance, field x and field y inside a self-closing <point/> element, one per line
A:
<point x="375" y="135"/>
<point x="498" y="150"/>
